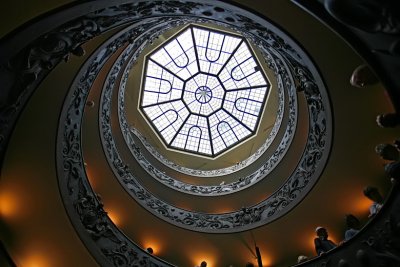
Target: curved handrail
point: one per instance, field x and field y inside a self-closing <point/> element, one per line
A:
<point x="377" y="243"/>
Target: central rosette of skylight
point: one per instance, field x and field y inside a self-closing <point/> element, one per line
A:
<point x="203" y="91"/>
<point x="203" y="94"/>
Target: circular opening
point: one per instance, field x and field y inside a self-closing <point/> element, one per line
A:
<point x="203" y="94"/>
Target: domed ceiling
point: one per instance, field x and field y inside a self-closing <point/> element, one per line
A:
<point x="203" y="91"/>
<point x="197" y="128"/>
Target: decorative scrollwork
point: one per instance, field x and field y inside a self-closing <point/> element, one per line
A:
<point x="240" y="183"/>
<point x="71" y="171"/>
<point x="86" y="209"/>
<point x="272" y="207"/>
<point x="203" y="173"/>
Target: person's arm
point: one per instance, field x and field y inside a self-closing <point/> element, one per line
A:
<point x="347" y="235"/>
<point x="317" y="244"/>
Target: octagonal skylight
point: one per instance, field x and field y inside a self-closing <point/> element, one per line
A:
<point x="203" y="91"/>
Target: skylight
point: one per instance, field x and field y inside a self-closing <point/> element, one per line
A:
<point x="203" y="91"/>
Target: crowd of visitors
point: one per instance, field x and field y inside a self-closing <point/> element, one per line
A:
<point x="390" y="153"/>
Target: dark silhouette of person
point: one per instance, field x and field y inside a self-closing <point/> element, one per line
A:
<point x="388" y="120"/>
<point x="322" y="243"/>
<point x="353" y="226"/>
<point x="393" y="171"/>
<point x="373" y="194"/>
<point x="363" y="76"/>
<point x="387" y="152"/>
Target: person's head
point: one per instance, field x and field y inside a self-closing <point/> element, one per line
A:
<point x="373" y="194"/>
<point x="393" y="170"/>
<point x="397" y="143"/>
<point x="203" y="264"/>
<point x="352" y="221"/>
<point x="387" y="151"/>
<point x="363" y="76"/>
<point x="249" y="264"/>
<point x="78" y="51"/>
<point x="388" y="120"/>
<point x="302" y="258"/>
<point x="321" y="232"/>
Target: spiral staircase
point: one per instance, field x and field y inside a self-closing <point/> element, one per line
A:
<point x="87" y="179"/>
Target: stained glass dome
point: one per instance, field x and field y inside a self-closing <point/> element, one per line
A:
<point x="203" y="91"/>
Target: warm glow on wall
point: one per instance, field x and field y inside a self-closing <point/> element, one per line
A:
<point x="200" y="258"/>
<point x="152" y="240"/>
<point x="8" y="204"/>
<point x="202" y="251"/>
<point x="313" y="235"/>
<point x="156" y="246"/>
<point x="90" y="176"/>
<point x="223" y="210"/>
<point x="361" y="205"/>
<point x="310" y="235"/>
<point x="36" y="260"/>
<point x="311" y="245"/>
<point x="266" y="260"/>
<point x="114" y="217"/>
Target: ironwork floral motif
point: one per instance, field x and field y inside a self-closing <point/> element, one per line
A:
<point x="265" y="211"/>
<point x="239" y="184"/>
<point x="71" y="169"/>
<point x="80" y="201"/>
<point x="216" y="172"/>
<point x="86" y="209"/>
